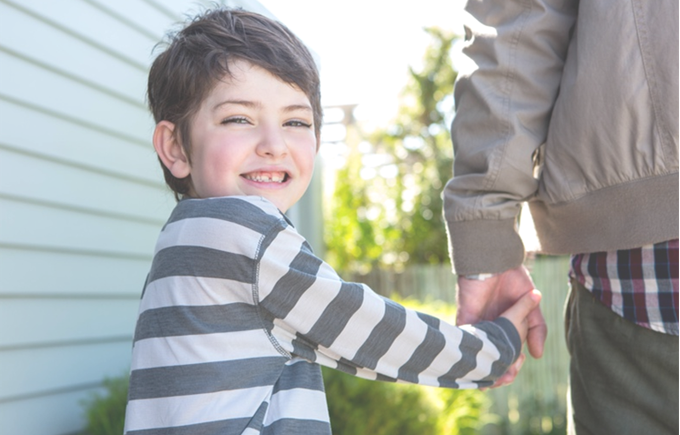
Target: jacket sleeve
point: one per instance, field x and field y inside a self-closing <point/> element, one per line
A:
<point x="312" y="314"/>
<point x="503" y="107"/>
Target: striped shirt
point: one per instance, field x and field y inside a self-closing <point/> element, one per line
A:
<point x="639" y="284"/>
<point x="237" y="314"/>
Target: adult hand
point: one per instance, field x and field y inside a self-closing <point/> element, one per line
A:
<point x="488" y="299"/>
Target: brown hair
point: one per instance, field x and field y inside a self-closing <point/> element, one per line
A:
<point x="198" y="56"/>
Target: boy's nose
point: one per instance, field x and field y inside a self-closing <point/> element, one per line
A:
<point x="272" y="143"/>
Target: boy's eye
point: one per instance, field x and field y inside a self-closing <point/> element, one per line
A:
<point x="297" y="123"/>
<point x="236" y="120"/>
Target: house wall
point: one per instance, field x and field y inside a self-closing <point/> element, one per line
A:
<point x="81" y="198"/>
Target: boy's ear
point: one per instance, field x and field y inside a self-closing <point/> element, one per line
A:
<point x="170" y="151"/>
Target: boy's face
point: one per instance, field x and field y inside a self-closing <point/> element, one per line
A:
<point x="253" y="135"/>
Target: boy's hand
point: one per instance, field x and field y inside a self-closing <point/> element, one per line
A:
<point x="488" y="299"/>
<point x="518" y="314"/>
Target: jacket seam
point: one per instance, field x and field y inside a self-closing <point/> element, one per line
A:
<point x="643" y="42"/>
<point x="509" y="78"/>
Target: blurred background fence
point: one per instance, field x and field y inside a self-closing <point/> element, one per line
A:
<point x="536" y="401"/>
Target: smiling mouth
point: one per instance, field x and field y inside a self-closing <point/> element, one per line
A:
<point x="267" y="177"/>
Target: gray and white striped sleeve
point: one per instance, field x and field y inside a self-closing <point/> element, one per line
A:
<point x="315" y="315"/>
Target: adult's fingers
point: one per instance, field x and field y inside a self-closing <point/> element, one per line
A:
<point x="538" y="332"/>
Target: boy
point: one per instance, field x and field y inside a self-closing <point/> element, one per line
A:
<point x="237" y="313"/>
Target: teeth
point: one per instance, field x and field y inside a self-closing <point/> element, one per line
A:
<point x="266" y="177"/>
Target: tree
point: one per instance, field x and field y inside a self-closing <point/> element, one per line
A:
<point x="387" y="205"/>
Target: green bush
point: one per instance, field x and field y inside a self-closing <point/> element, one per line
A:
<point x="358" y="406"/>
<point x="362" y="407"/>
<point x="105" y="413"/>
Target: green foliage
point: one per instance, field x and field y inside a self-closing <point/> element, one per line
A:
<point x="533" y="416"/>
<point x="387" y="205"/>
<point x="351" y="239"/>
<point x="463" y="412"/>
<point x="358" y="406"/>
<point x="105" y="413"/>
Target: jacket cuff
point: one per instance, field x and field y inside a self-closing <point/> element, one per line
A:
<point x="484" y="246"/>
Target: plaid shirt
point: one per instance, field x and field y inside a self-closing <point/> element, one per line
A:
<point x="638" y="284"/>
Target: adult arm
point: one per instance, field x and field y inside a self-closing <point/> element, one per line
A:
<point x="503" y="107"/>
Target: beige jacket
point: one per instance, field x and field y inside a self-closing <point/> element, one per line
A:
<point x="572" y="107"/>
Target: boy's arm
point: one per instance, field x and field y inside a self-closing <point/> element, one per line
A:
<point x="313" y="314"/>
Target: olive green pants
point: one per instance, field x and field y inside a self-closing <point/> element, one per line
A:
<point x="623" y="377"/>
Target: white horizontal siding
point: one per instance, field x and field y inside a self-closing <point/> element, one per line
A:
<point x="81" y="19"/>
<point x="81" y="61"/>
<point x="53" y="412"/>
<point x="80" y="187"/>
<point x="45" y="322"/>
<point x="36" y="86"/>
<point x="81" y="200"/>
<point x="84" y="362"/>
<point x="23" y="273"/>
<point x="82" y="197"/>
<point x="28" y="129"/>
<point x="29" y="225"/>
